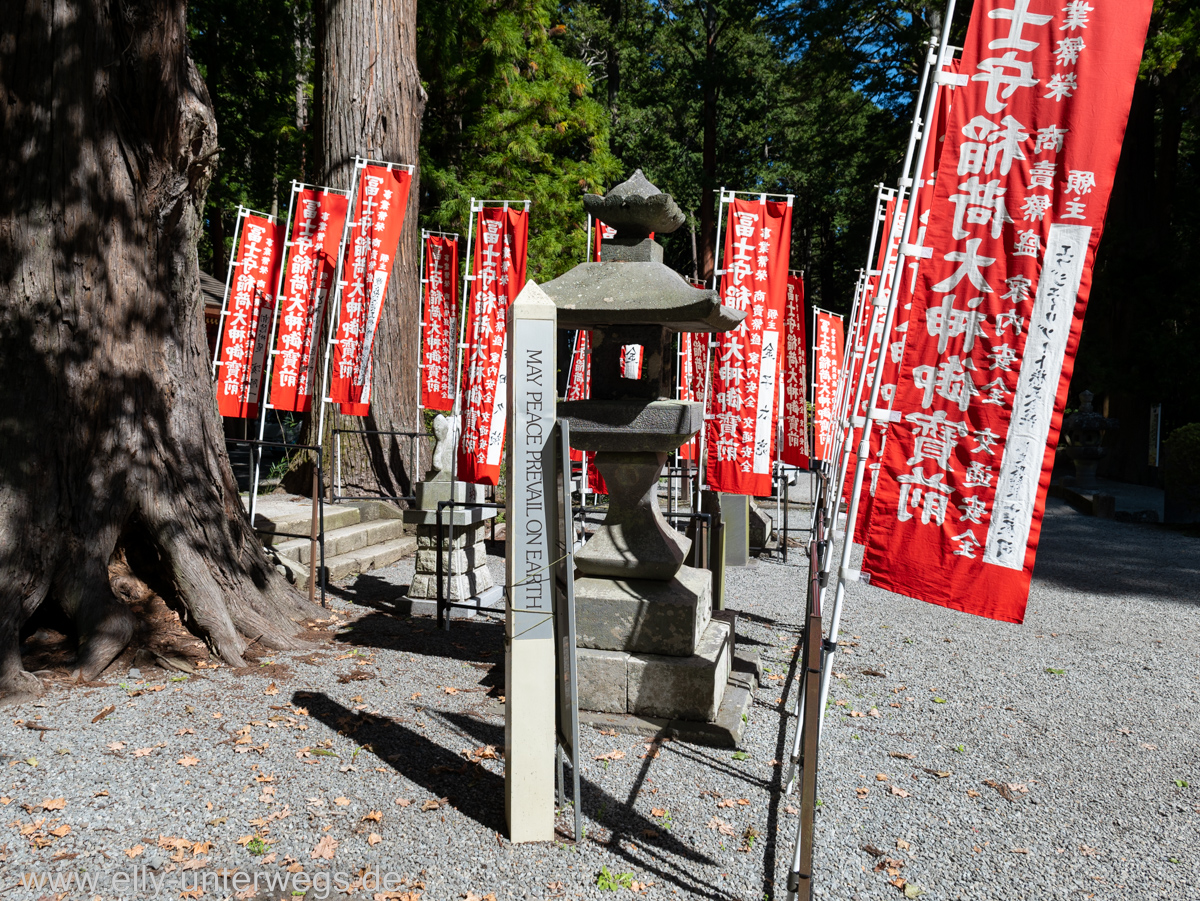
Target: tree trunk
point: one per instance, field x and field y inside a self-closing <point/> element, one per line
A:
<point x="110" y="434"/>
<point x="370" y="103"/>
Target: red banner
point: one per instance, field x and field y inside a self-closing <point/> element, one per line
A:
<point x="438" y="326"/>
<point x="498" y="266"/>
<point x="579" y="387"/>
<point x="379" y="207"/>
<point x="690" y="386"/>
<point x="827" y="363"/>
<point x="738" y="431"/>
<point x="795" y="377"/>
<point x="251" y="305"/>
<point x="1026" y="172"/>
<point x="599" y="231"/>
<point x="317" y="223"/>
<point x="895" y="344"/>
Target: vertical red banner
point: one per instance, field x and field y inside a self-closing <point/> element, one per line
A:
<point x="438" y="325"/>
<point x="1019" y="205"/>
<point x="579" y="387"/>
<point x="249" y="310"/>
<point x="317" y="222"/>
<point x="379" y="206"/>
<point x="690" y="385"/>
<point x="498" y="267"/>
<point x="599" y="232"/>
<point x="739" y="429"/>
<point x="827" y="365"/>
<point x="795" y="451"/>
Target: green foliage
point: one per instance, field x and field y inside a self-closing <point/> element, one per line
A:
<point x="255" y="56"/>
<point x="510" y="116"/>
<point x="611" y="882"/>
<point x="1182" y="447"/>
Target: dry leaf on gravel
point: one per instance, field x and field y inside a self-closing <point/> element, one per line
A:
<point x="135" y="851"/>
<point x="1019" y="851"/>
<point x="375" y="816"/>
<point x="143" y="752"/>
<point x="188" y="761"/>
<point x="902" y="844"/>
<point x="1005" y="792"/>
<point x="103" y="713"/>
<point x="555" y="887"/>
<point x="341" y="802"/>
<point x="54" y="804"/>
<point x="448" y="690"/>
<point x="941" y="774"/>
<point x="187" y="730"/>
<point x="324" y="848"/>
<point x="873" y="851"/>
<point x="271" y="689"/>
<point x="862" y="791"/>
<point x="721" y="826"/>
<point x="374" y="839"/>
<point x="430" y="804"/>
<point x="403" y="802"/>
<point x="611" y="755"/>
<point x="116" y="746"/>
<point x="640" y="886"/>
<point x="881" y="777"/>
<point x="899" y="792"/>
<point x="900" y="755"/>
<point x="971" y="793"/>
<point x="471" y="896"/>
<point x="608" y="731"/>
<point x="658" y="812"/>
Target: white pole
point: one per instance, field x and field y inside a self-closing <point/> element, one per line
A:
<point x="461" y="344"/>
<point x="701" y="457"/>
<point x="845" y="573"/>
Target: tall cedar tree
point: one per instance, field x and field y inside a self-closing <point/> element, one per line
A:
<point x="510" y="116"/>
<point x="111" y="442"/>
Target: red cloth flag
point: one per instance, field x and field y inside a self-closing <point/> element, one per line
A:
<point x="370" y="253"/>
<point x="923" y="201"/>
<point x="827" y="363"/>
<point x="1025" y="177"/>
<point x="795" y="377"/>
<point x="498" y="266"/>
<point x="438" y="327"/>
<point x="599" y="232"/>
<point x="317" y="223"/>
<point x="690" y="387"/>
<point x="579" y="387"/>
<point x="739" y="428"/>
<point x="248" y="316"/>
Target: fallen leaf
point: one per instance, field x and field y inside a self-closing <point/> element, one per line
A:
<point x="912" y="891"/>
<point x="449" y="691"/>
<point x="555" y="887"/>
<point x="188" y="761"/>
<point x="721" y="826"/>
<point x="881" y="777"/>
<point x="375" y="816"/>
<point x="1005" y="792"/>
<point x="403" y="802"/>
<point x="271" y="689"/>
<point x="135" y="851"/>
<point x="341" y="802"/>
<point x="658" y="812"/>
<point x="899" y="755"/>
<point x="414" y="696"/>
<point x="324" y="848"/>
<point x="430" y="804"/>
<point x="142" y="752"/>
<point x="54" y="804"/>
<point x="899" y="792"/>
<point x="611" y="755"/>
<point x="263" y="777"/>
<point x="874" y="672"/>
<point x="191" y="893"/>
<point x="60" y="832"/>
<point x="1148" y="746"/>
<point x="187" y="730"/>
<point x="902" y="844"/>
<point x="103" y="713"/>
<point x="873" y="851"/>
<point x="116" y="746"/>
<point x="971" y="793"/>
<point x="790" y="809"/>
<point x="941" y="774"/>
<point x="862" y="792"/>
<point x="374" y="839"/>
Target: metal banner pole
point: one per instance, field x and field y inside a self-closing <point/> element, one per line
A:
<point x="702" y="457"/>
<point x="845" y="573"/>
<point x="269" y="361"/>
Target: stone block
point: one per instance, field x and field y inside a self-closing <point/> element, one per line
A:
<point x="457" y="561"/>
<point x="460" y="587"/>
<point x="460" y="516"/>
<point x="463" y="537"/>
<point x="643" y="615"/>
<point x="429" y="494"/>
<point x="686" y="688"/>
<point x="602" y="680"/>
<point x="630" y="250"/>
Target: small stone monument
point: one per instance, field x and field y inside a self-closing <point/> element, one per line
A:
<point x="648" y="644"/>
<point x="464" y="557"/>
<point x="1083" y="434"/>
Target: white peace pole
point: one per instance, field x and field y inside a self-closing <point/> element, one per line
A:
<point x="530" y="746"/>
<point x="912" y="158"/>
<point x="242" y="213"/>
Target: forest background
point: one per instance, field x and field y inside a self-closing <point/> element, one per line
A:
<point x="547" y="100"/>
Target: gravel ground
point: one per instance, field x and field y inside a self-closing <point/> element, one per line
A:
<point x="1005" y="778"/>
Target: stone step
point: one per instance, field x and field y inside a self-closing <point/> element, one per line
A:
<point x="343" y="540"/>
<point x="297" y="519"/>
<point x="376" y="556"/>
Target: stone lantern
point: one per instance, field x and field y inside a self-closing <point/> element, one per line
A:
<point x="1083" y="431"/>
<point x="648" y="644"/>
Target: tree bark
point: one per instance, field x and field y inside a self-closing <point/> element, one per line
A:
<point x="109" y="438"/>
<point x="370" y="103"/>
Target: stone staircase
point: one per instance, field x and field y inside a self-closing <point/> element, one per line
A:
<point x="359" y="536"/>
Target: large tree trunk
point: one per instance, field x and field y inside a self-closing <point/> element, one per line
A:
<point x="370" y="102"/>
<point x="109" y="436"/>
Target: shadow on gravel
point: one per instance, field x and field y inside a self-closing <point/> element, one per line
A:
<point x="629" y="833"/>
<point x="475" y="791"/>
<point x="1086" y="554"/>
<point x="480" y="639"/>
<point x="369" y="590"/>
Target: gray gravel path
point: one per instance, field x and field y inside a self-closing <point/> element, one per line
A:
<point x="355" y="743"/>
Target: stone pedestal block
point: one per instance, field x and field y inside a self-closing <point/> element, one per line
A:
<point x="642" y="615"/>
<point x="658" y="685"/>
<point x="465" y="574"/>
